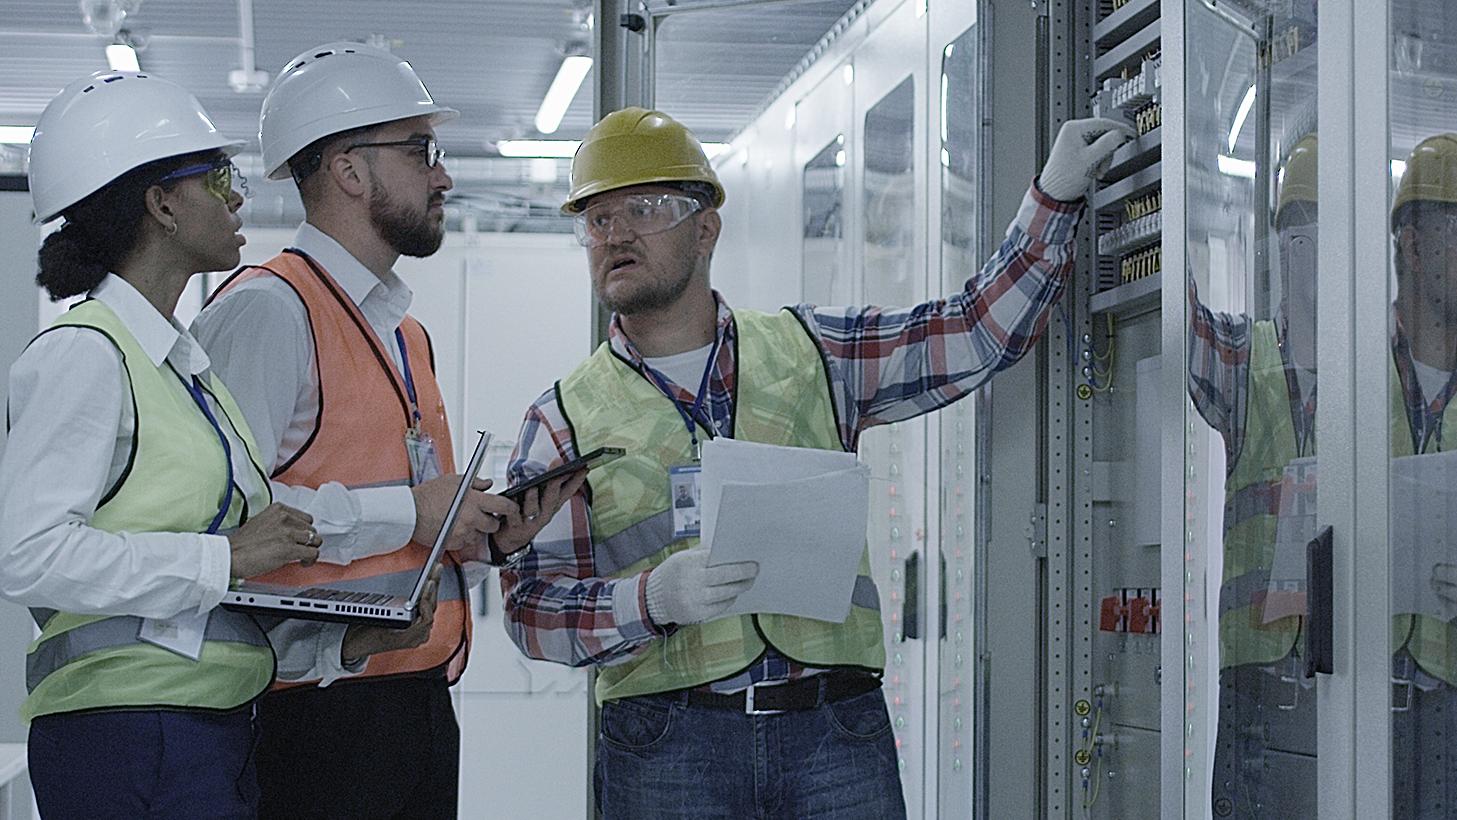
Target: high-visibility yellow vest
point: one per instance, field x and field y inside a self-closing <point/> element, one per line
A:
<point x="174" y="484"/>
<point x="783" y="398"/>
<point x="1251" y="511"/>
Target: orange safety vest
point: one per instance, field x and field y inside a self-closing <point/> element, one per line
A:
<point x="359" y="441"/>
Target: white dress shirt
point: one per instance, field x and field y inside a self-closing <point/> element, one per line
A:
<point x="71" y="426"/>
<point x="259" y="338"/>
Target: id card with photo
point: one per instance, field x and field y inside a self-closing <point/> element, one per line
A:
<point x="424" y="459"/>
<point x="683" y="499"/>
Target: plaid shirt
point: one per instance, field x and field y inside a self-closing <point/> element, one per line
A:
<point x="887" y="364"/>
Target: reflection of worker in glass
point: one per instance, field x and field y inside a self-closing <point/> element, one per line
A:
<point x="1254" y="382"/>
<point x="1423" y="420"/>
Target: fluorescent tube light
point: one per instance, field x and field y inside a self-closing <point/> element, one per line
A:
<point x="16" y="134"/>
<point x="554" y="105"/>
<point x="122" y="57"/>
<point x="1240" y="115"/>
<point x="566" y="149"/>
<point x="1229" y="166"/>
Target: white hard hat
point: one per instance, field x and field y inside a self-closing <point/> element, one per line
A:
<point x="334" y="88"/>
<point x="101" y="126"/>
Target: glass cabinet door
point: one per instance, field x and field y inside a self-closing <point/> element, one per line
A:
<point x="1422" y="418"/>
<point x="960" y="256"/>
<point x="1251" y="467"/>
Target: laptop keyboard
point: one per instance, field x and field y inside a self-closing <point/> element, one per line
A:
<point x="321" y="594"/>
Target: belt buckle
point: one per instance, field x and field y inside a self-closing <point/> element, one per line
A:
<point x="749" y="700"/>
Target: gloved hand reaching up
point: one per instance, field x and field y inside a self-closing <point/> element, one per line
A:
<point x="684" y="589"/>
<point x="1080" y="155"/>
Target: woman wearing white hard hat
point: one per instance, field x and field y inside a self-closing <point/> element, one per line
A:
<point x="127" y="462"/>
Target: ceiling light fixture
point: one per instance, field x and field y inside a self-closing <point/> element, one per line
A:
<point x="16" y="134"/>
<point x="566" y="149"/>
<point x="122" y="57"/>
<point x="563" y="90"/>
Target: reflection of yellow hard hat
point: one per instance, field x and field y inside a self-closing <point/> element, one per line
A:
<point x="1431" y="173"/>
<point x="635" y="146"/>
<point x="1298" y="176"/>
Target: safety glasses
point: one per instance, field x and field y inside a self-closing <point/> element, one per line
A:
<point x="217" y="177"/>
<point x="641" y="215"/>
<point x="424" y="148"/>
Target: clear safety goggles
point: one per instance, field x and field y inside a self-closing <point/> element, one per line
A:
<point x="640" y="215"/>
<point x="217" y="177"/>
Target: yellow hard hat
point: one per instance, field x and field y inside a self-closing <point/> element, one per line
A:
<point x="1431" y="174"/>
<point x="1298" y="176"/>
<point x="635" y="146"/>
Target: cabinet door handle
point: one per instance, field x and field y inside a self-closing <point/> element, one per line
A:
<point x="911" y="606"/>
<point x="1320" y="596"/>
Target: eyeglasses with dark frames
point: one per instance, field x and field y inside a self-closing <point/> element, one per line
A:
<point x="430" y="151"/>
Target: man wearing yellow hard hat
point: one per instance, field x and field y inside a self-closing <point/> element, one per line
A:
<point x="759" y="714"/>
<point x="1254" y="381"/>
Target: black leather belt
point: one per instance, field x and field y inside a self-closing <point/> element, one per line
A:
<point x="805" y="693"/>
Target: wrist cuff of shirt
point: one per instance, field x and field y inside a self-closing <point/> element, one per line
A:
<point x="215" y="575"/>
<point x="630" y="609"/>
<point x="1047" y="220"/>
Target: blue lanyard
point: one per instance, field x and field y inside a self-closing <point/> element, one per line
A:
<point x="195" y="390"/>
<point x="693" y="413"/>
<point x="409" y="379"/>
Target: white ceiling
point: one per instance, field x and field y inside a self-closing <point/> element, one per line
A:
<point x="491" y="59"/>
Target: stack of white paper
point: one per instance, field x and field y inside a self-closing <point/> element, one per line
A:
<point x="800" y="513"/>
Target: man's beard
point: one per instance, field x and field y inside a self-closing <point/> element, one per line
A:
<point x="408" y="233"/>
<point x="648" y="297"/>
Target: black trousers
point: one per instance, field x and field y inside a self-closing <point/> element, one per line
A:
<point x="371" y="749"/>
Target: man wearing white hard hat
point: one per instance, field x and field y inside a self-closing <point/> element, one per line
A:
<point x="131" y="491"/>
<point x="338" y="381"/>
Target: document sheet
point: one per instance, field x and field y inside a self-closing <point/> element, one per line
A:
<point x="800" y="513"/>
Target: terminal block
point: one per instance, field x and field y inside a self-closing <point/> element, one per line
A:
<point x="1130" y="94"/>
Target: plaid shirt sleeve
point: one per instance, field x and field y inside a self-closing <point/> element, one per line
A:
<point x="1219" y="368"/>
<point x="891" y="364"/>
<point x="556" y="608"/>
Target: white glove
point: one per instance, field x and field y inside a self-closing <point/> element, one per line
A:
<point x="1080" y="155"/>
<point x="685" y="590"/>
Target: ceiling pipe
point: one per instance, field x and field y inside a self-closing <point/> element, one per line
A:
<point x="248" y="79"/>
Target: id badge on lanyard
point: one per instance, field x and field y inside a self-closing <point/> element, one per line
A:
<point x="684" y="498"/>
<point x="424" y="457"/>
<point x="687" y="505"/>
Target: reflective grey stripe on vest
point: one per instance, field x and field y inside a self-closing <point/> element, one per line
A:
<point x="642" y="540"/>
<point x="648" y="537"/>
<point x="394" y="482"/>
<point x="1253" y="501"/>
<point x="865" y="596"/>
<point x="1238" y="593"/>
<point x="122" y="631"/>
<point x="398" y="583"/>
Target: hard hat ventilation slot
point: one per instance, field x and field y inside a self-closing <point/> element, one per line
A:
<point x="113" y="79"/>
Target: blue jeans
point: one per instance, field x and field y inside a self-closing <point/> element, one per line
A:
<point x="660" y="757"/>
<point x="150" y="764"/>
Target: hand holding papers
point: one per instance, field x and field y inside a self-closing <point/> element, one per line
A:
<point x="799" y="513"/>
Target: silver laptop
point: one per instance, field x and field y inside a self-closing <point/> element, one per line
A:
<point x="353" y="602"/>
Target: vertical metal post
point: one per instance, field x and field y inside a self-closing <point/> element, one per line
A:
<point x="1363" y="632"/>
<point x="1181" y="779"/>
